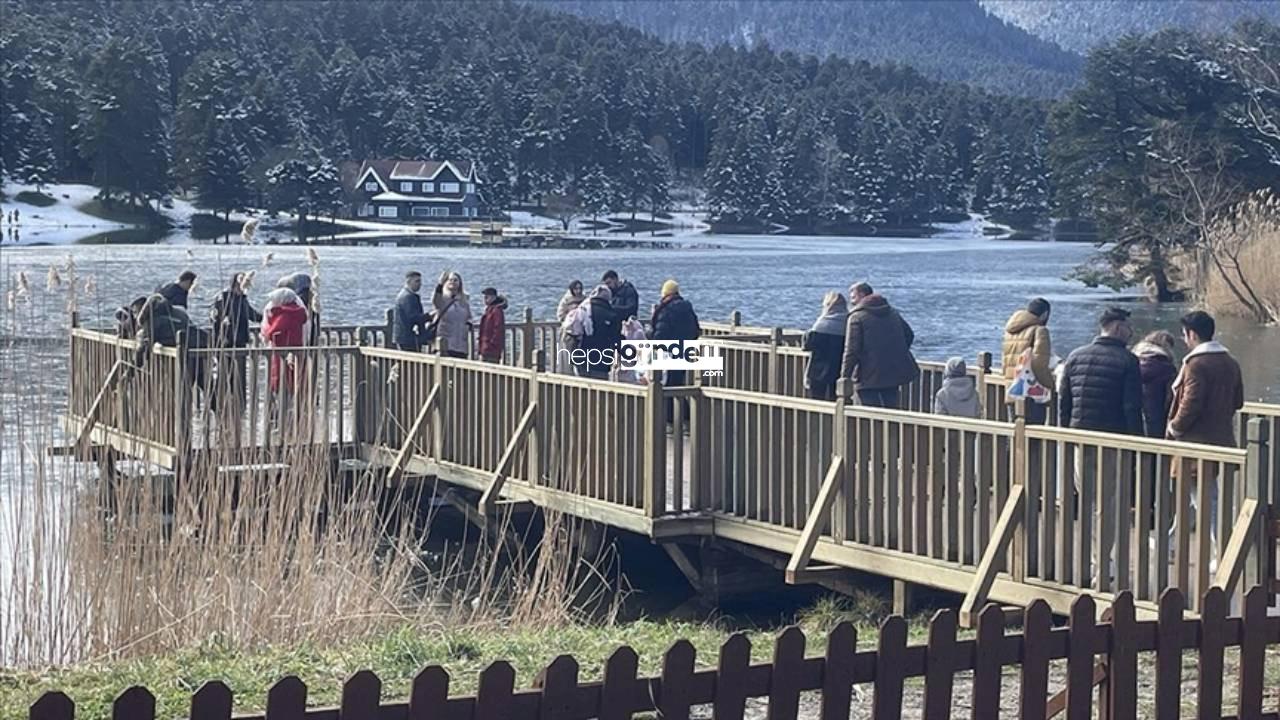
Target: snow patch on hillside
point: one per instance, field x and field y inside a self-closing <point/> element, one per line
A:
<point x="58" y="224"/>
<point x="976" y="227"/>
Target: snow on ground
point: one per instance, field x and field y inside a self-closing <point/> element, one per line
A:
<point x="59" y="224"/>
<point x="526" y="219"/>
<point x="973" y="228"/>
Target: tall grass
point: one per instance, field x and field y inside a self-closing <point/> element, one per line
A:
<point x="1240" y="273"/>
<point x="110" y="558"/>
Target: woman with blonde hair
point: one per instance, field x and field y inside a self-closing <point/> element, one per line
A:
<point x="825" y="343"/>
<point x="453" y="308"/>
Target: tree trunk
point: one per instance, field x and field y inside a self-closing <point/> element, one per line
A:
<point x="1160" y="290"/>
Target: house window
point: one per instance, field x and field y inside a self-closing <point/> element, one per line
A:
<point x="440" y="212"/>
<point x="471" y="187"/>
<point x="472" y="212"/>
<point x="365" y="210"/>
<point x="371" y="186"/>
<point x="448" y="187"/>
<point x="428" y="187"/>
<point x="406" y="187"/>
<point x="421" y="211"/>
<point x="388" y="211"/>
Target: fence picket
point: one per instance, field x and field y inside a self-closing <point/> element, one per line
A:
<point x="837" y="672"/>
<point x="493" y="696"/>
<point x="1122" y="663"/>
<point x="1037" y="624"/>
<point x="784" y="684"/>
<point x="211" y="702"/>
<point x="1213" y="622"/>
<point x="56" y="706"/>
<point x="677" y="677"/>
<point x="987" y="667"/>
<point x="619" y="684"/>
<point x="559" y="684"/>
<point x="429" y="694"/>
<point x="1080" y="648"/>
<point x="890" y="652"/>
<point x="135" y="703"/>
<point x="1168" y="701"/>
<point x="360" y="696"/>
<point x="940" y="665"/>
<point x="1253" y="648"/>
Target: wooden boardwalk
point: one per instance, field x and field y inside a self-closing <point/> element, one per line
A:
<point x="991" y="508"/>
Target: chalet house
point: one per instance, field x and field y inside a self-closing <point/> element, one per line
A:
<point x="412" y="190"/>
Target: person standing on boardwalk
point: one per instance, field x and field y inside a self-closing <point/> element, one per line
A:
<point x="958" y="396"/>
<point x="601" y="333"/>
<point x="674" y="319"/>
<point x="408" y="317"/>
<point x="1101" y="387"/>
<point x="493" y="326"/>
<point x="825" y="345"/>
<point x="303" y="286"/>
<point x="1208" y="391"/>
<point x="284" y="326"/>
<point x="1158" y="370"/>
<point x="453" y="308"/>
<point x="573" y="297"/>
<point x="232" y="314"/>
<point x="1028" y="331"/>
<point x="626" y="301"/>
<point x="177" y="291"/>
<point x="877" y="349"/>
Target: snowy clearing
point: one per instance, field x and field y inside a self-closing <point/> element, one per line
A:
<point x="58" y="224"/>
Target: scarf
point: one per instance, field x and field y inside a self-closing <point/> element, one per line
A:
<point x="1207" y="348"/>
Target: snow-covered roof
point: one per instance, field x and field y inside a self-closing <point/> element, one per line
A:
<point x="400" y="197"/>
<point x="371" y="171"/>
<point x="429" y="169"/>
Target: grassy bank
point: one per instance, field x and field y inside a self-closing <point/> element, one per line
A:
<point x="398" y="655"/>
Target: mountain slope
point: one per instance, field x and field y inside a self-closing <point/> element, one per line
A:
<point x="953" y="40"/>
<point x="1081" y="25"/>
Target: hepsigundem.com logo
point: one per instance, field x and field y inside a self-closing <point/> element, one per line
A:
<point x="652" y="355"/>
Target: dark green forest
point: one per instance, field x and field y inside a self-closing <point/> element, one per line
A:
<point x="955" y="40"/>
<point x="256" y="103"/>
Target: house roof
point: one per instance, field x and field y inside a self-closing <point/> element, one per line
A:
<point x="353" y="173"/>
<point x="398" y="197"/>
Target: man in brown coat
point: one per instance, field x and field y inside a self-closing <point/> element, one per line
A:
<point x="877" y="349"/>
<point x="1208" y="391"/>
<point x="1206" y="396"/>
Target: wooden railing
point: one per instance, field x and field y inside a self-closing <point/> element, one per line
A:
<point x="1098" y="656"/>
<point x="968" y="505"/>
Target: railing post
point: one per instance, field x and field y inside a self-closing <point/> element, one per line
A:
<point x="526" y="339"/>
<point x="533" y="448"/>
<point x="1018" y="563"/>
<point x="182" y="399"/>
<point x="1260" y="569"/>
<point x="735" y="318"/>
<point x="984" y="367"/>
<point x="388" y="330"/>
<point x="655" y="451"/>
<point x="438" y="414"/>
<point x="774" y="367"/>
<point x="699" y="446"/>
<point x="841" y="513"/>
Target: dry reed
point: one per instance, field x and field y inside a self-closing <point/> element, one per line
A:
<point x="116" y="558"/>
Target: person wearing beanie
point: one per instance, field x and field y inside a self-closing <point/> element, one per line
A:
<point x="1028" y="330"/>
<point x="492" y="326"/>
<point x="674" y="319"/>
<point x="958" y="396"/>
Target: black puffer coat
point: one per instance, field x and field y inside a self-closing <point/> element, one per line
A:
<point x="674" y="319"/>
<point x="606" y="333"/>
<point x="1101" y="389"/>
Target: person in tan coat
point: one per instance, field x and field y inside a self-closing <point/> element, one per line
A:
<point x="1028" y="330"/>
<point x="1209" y="390"/>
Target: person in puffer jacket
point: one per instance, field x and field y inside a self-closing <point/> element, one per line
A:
<point x="958" y="396"/>
<point x="1101" y="382"/>
<point x="1029" y="330"/>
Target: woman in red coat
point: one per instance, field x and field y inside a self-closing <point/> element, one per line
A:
<point x="283" y="325"/>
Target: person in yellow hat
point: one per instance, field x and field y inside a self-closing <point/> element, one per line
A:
<point x="674" y="319"/>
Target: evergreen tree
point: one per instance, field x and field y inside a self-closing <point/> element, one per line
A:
<point x="223" y="177"/>
<point x="37" y="162"/>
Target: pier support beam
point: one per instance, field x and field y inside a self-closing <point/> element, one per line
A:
<point x="902" y="592"/>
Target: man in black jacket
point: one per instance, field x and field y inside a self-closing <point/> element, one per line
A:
<point x="408" y="316"/>
<point x="176" y="292"/>
<point x="674" y="319"/>
<point x="1101" y="385"/>
<point x="626" y="301"/>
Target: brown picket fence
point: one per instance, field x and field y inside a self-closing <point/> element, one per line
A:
<point x="1099" y="656"/>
